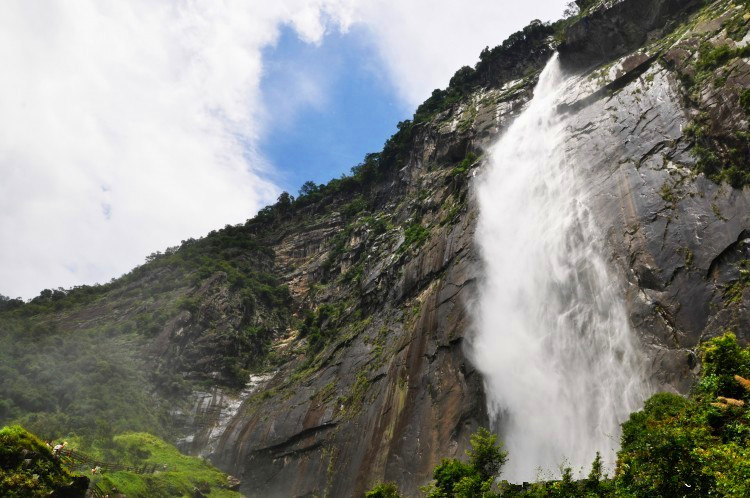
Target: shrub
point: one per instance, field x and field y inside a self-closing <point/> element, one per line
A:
<point x="695" y="446"/>
<point x="486" y="455"/>
<point x="722" y="359"/>
<point x="454" y="478"/>
<point x="415" y="235"/>
<point x="27" y="468"/>
<point x="384" y="490"/>
<point x="745" y="100"/>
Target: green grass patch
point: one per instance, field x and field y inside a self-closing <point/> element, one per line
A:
<point x="464" y="166"/>
<point x="180" y="475"/>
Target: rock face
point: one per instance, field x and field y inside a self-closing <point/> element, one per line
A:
<point x="618" y="27"/>
<point x="393" y="392"/>
<point x="678" y="238"/>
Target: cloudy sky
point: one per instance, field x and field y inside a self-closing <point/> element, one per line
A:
<point x="126" y="127"/>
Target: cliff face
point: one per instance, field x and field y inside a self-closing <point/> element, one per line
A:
<point x="358" y="374"/>
<point x="615" y="28"/>
<point x="396" y="393"/>
<point x="679" y="238"/>
<point x="393" y="393"/>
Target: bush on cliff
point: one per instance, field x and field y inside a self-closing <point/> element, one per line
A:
<point x="695" y="446"/>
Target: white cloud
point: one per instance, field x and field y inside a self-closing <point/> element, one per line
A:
<point x="128" y="126"/>
<point x="424" y="42"/>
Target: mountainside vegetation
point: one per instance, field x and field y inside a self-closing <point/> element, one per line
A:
<point x="90" y="360"/>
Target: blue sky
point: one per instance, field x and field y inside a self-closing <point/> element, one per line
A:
<point x="351" y="109"/>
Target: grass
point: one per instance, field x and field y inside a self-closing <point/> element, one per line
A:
<point x="745" y="101"/>
<point x="668" y="194"/>
<point x="711" y="57"/>
<point x="722" y="159"/>
<point x="183" y="475"/>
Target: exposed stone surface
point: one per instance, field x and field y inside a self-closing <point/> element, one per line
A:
<point x="394" y="394"/>
<point x="619" y="27"/>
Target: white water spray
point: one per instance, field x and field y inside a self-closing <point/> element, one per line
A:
<point x="552" y="340"/>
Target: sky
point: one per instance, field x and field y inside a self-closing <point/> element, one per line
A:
<point x="126" y="127"/>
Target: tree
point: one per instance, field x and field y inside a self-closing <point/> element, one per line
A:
<point x="571" y="9"/>
<point x="486" y="454"/>
<point x="585" y="4"/>
<point x="454" y="478"/>
<point x="285" y="200"/>
<point x="283" y="204"/>
<point x="384" y="490"/>
<point x="309" y="187"/>
<point x="7" y="303"/>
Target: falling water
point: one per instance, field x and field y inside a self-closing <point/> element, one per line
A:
<point x="553" y="342"/>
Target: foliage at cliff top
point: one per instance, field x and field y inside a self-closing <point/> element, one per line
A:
<point x="27" y="468"/>
<point x="674" y="447"/>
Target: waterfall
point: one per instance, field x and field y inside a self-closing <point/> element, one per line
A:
<point x="552" y="339"/>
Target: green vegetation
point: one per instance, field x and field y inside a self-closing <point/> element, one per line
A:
<point x="585" y="6"/>
<point x="695" y="446"/>
<point x="745" y="101"/>
<point x="88" y="381"/>
<point x="733" y="292"/>
<point x="379" y="225"/>
<point x="711" y="57"/>
<point x="176" y="475"/>
<point x="414" y="236"/>
<point x="722" y="155"/>
<point x="475" y="478"/>
<point x="668" y="194"/>
<point x="319" y="327"/>
<point x="384" y="490"/>
<point x="527" y="41"/>
<point x="720" y="158"/>
<point x="464" y="165"/>
<point x="28" y="468"/>
<point x="83" y="360"/>
<point x="674" y="447"/>
<point x="451" y="216"/>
